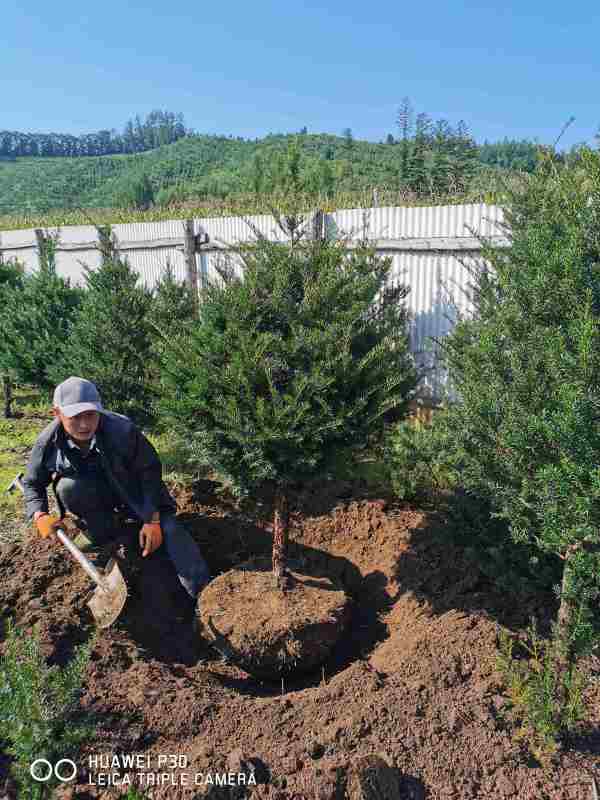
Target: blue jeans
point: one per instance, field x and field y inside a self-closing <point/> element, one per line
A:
<point x="91" y="499"/>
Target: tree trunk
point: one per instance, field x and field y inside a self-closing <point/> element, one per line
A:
<point x="564" y="654"/>
<point x="7" y="392"/>
<point x="280" y="539"/>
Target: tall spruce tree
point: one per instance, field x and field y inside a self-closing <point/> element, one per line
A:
<point x="36" y="314"/>
<point x="110" y="342"/>
<point x="287" y="366"/>
<point x="527" y="369"/>
<point x="404" y="121"/>
<point x="417" y="170"/>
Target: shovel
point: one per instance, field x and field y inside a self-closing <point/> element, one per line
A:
<point x="111" y="592"/>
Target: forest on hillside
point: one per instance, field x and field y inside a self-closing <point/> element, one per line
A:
<point x="159" y="163"/>
<point x="159" y="128"/>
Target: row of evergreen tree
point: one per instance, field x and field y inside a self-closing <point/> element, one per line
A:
<point x="418" y="134"/>
<point x="158" y="128"/>
<point x="109" y="330"/>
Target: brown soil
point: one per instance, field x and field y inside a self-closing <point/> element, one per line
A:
<point x="267" y="631"/>
<point x="413" y="681"/>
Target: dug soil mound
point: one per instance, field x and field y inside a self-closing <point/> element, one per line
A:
<point x="270" y="632"/>
<point x="412" y="682"/>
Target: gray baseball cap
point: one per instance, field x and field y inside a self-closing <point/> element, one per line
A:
<point x="76" y="395"/>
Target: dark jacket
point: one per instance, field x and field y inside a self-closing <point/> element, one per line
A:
<point x="130" y="463"/>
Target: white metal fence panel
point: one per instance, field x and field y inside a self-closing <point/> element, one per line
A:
<point x="19" y="245"/>
<point x="233" y="230"/>
<point x="453" y="221"/>
<point x="439" y="292"/>
<point x="230" y="231"/>
<point x="430" y="249"/>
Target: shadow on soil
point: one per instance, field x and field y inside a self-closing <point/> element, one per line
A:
<point x="461" y="559"/>
<point x="445" y="566"/>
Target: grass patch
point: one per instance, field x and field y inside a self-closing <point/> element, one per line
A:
<point x="40" y="715"/>
<point x="17" y="437"/>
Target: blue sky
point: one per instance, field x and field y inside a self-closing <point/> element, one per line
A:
<point x="515" y="69"/>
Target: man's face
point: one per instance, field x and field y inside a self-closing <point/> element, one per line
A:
<point x="81" y="427"/>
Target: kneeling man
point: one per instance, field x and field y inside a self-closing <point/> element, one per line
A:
<point x="100" y="463"/>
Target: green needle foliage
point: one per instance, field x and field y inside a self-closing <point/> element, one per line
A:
<point x="174" y="310"/>
<point x="36" y="313"/>
<point x="290" y="364"/>
<point x="11" y="272"/>
<point x="11" y="278"/>
<point x="173" y="307"/>
<point x="533" y="684"/>
<point x="40" y="715"/>
<point x="110" y="340"/>
<point x="527" y="368"/>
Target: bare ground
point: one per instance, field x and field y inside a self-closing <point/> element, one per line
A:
<point x="414" y="679"/>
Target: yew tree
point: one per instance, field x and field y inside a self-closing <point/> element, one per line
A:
<point x="297" y="353"/>
<point x="36" y="314"/>
<point x="11" y="279"/>
<point x="110" y="340"/>
<point x="526" y="366"/>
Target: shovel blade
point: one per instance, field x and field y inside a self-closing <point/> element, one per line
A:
<point x="107" y="601"/>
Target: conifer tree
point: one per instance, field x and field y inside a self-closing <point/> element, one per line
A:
<point x="173" y="305"/>
<point x="527" y="368"/>
<point x="417" y="170"/>
<point x="404" y="120"/>
<point x="110" y="342"/>
<point x="174" y="311"/>
<point x="288" y="365"/>
<point x="11" y="277"/>
<point x="35" y="318"/>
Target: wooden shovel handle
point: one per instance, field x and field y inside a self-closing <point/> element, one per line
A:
<point x="79" y="557"/>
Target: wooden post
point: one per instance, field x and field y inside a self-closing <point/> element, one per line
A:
<point x="107" y="243"/>
<point x="41" y="245"/>
<point x="319" y="224"/>
<point x="189" y="254"/>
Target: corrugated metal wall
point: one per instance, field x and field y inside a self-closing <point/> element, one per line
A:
<point x="419" y="223"/>
<point x="422" y="243"/>
<point x="149" y="261"/>
<point x="438" y="278"/>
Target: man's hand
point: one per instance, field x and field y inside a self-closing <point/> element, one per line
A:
<point x="150" y="537"/>
<point x="46" y="523"/>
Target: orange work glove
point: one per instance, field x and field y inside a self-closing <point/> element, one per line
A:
<point x="150" y="537"/>
<point x="47" y="524"/>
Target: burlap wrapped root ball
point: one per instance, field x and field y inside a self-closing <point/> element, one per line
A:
<point x="269" y="632"/>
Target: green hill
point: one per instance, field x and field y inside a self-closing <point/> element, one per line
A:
<point x="217" y="174"/>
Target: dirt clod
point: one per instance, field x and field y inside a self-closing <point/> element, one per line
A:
<point x="372" y="778"/>
<point x="270" y="632"/>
